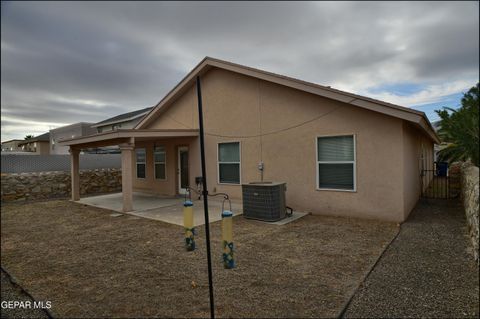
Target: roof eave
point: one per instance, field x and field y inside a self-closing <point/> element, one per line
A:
<point x="174" y="91"/>
<point x="128" y="133"/>
<point x="346" y="97"/>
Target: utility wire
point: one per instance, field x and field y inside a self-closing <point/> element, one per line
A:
<point x="260" y="121"/>
<point x="260" y="128"/>
<point x="178" y="122"/>
<point x="262" y="134"/>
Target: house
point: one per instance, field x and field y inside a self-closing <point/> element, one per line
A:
<point x="12" y="146"/>
<point x="339" y="153"/>
<point x="39" y="145"/>
<point x="123" y="121"/>
<point x="68" y="132"/>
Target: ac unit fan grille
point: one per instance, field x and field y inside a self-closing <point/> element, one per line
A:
<point x="264" y="201"/>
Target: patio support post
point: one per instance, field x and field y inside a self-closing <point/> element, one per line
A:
<point x="127" y="169"/>
<point x="75" y="173"/>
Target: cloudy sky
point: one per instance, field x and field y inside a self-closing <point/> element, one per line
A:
<point x="65" y="62"/>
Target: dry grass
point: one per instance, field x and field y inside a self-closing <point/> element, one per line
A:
<point x="90" y="264"/>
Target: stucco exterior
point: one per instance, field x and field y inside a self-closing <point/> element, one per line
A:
<point x="68" y="131"/>
<point x="37" y="147"/>
<point x="277" y="121"/>
<point x="125" y="124"/>
<point x="12" y="146"/>
<point x="414" y="142"/>
<point x="169" y="185"/>
<point x="121" y="121"/>
<point x="279" y="126"/>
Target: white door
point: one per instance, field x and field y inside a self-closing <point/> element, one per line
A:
<point x="183" y="177"/>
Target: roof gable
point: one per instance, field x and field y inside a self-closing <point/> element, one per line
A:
<point x="207" y="63"/>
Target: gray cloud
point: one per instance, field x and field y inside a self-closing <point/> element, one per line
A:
<point x="64" y="62"/>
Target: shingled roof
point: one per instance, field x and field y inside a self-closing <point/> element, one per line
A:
<point x="124" y="117"/>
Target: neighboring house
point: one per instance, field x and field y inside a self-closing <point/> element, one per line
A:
<point x="12" y="146"/>
<point x="122" y="121"/>
<point x="39" y="145"/>
<point x="68" y="132"/>
<point x="339" y="153"/>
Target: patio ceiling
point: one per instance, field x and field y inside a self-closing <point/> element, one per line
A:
<point x="121" y="136"/>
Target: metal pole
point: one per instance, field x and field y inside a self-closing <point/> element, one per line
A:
<point x="205" y="197"/>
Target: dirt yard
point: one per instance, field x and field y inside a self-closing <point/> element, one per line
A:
<point x="90" y="264"/>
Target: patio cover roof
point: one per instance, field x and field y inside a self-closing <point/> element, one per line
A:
<point x="124" y="136"/>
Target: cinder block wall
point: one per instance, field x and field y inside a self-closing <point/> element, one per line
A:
<point x="45" y="185"/>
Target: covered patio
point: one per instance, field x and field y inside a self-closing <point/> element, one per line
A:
<point x="163" y="208"/>
<point x="127" y="140"/>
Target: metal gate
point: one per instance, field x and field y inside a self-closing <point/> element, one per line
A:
<point x="435" y="182"/>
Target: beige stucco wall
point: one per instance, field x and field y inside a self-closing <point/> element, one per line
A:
<point x="43" y="148"/>
<point x="38" y="147"/>
<point x="243" y="107"/>
<point x="12" y="146"/>
<point x="169" y="186"/>
<point x="413" y="139"/>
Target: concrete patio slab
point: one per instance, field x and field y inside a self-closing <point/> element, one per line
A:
<point x="289" y="219"/>
<point x="165" y="209"/>
<point x="170" y="209"/>
<point x="295" y="215"/>
<point x="174" y="214"/>
<point x="141" y="201"/>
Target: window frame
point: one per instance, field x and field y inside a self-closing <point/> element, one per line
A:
<point x="354" y="162"/>
<point x="239" y="163"/>
<point x="144" y="163"/>
<point x="155" y="164"/>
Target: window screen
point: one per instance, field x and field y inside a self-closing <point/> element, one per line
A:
<point x="140" y="157"/>
<point x="159" y="158"/>
<point x="229" y="163"/>
<point x="336" y="162"/>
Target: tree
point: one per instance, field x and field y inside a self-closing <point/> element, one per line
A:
<point x="459" y="129"/>
<point x="29" y="136"/>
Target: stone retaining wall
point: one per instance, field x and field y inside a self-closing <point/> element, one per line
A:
<point x="455" y="180"/>
<point x="471" y="202"/>
<point x="44" y="185"/>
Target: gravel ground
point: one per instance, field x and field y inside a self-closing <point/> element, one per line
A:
<point x="90" y="264"/>
<point x="428" y="271"/>
<point x="11" y="292"/>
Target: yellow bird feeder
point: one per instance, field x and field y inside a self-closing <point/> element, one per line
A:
<point x="189" y="225"/>
<point x="227" y="238"/>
